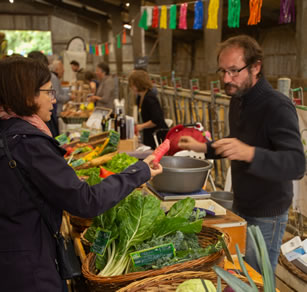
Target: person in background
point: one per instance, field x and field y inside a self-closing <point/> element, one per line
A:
<point x="62" y="97"/>
<point x="53" y="123"/>
<point x="264" y="144"/>
<point x="151" y="116"/>
<point x="28" y="250"/>
<point x="75" y="66"/>
<point x="90" y="79"/>
<point x="105" y="93"/>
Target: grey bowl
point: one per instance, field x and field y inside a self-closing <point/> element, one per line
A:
<point x="181" y="174"/>
<point x="223" y="198"/>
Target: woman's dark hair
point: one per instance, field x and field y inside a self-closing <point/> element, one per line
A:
<point x="252" y="50"/>
<point x="104" y="67"/>
<point x="140" y="79"/>
<point x="20" y="81"/>
<point x="37" y="55"/>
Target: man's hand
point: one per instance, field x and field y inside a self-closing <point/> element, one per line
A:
<point x="94" y="98"/>
<point x="189" y="143"/>
<point x="234" y="149"/>
<point x="154" y="170"/>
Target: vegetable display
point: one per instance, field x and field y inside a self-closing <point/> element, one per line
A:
<point x="137" y="223"/>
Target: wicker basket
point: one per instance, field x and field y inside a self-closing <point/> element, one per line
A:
<point x="292" y="268"/>
<point x="170" y="282"/>
<point x="80" y="224"/>
<point x="85" y="243"/>
<point x="74" y="120"/>
<point x="207" y="236"/>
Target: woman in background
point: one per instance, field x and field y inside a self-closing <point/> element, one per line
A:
<point x="151" y="117"/>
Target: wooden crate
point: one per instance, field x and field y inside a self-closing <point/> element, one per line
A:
<point x="234" y="225"/>
<point x="128" y="144"/>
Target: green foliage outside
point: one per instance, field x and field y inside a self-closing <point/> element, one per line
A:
<point x="24" y="41"/>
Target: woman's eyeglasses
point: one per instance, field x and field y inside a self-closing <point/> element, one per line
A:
<point x="51" y="92"/>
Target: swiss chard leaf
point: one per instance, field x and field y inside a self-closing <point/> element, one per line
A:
<point x="182" y="208"/>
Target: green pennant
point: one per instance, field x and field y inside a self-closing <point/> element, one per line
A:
<point x="173" y="15"/>
<point x="143" y="20"/>
<point x="118" y="41"/>
<point x="103" y="49"/>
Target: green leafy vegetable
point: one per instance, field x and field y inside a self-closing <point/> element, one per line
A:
<point x="120" y="162"/>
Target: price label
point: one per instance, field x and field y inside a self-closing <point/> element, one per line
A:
<point x="78" y="162"/>
<point x="148" y="256"/>
<point x="85" y="136"/>
<point x="100" y="241"/>
<point x="62" y="139"/>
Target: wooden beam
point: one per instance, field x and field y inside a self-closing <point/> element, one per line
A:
<point x="102" y="6"/>
<point x="138" y="36"/>
<point x="81" y="12"/>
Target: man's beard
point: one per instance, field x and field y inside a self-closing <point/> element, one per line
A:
<point x="240" y="90"/>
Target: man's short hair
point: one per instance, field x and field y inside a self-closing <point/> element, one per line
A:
<point x="104" y="67"/>
<point x="75" y="63"/>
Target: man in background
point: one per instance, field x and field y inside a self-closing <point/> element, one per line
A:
<point x="105" y="93"/>
<point x="75" y="66"/>
<point x="61" y="96"/>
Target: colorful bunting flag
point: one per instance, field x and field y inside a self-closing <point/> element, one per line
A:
<point x="107" y="48"/>
<point x="155" y="17"/>
<point x="103" y="49"/>
<point x="183" y="16"/>
<point x="199" y="14"/>
<point x="96" y="50"/>
<point x="213" y="11"/>
<point x="173" y="16"/>
<point x="143" y="20"/>
<point x="254" y="12"/>
<point x="99" y="51"/>
<point x="163" y="17"/>
<point x="118" y="41"/>
<point x="287" y="11"/>
<point x="234" y="9"/>
<point x="149" y="16"/>
<point x="88" y="48"/>
<point x="124" y="40"/>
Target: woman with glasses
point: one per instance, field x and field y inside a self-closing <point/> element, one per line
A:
<point x="264" y="144"/>
<point x="27" y="248"/>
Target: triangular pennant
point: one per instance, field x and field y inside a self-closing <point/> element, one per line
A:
<point x="107" y="48"/>
<point x="103" y="49"/>
<point x="199" y="14"/>
<point x="96" y="50"/>
<point x="183" y="16"/>
<point x="149" y="16"/>
<point x="173" y="15"/>
<point x="88" y="48"/>
<point x="213" y="11"/>
<point x="143" y="20"/>
<point x="124" y="38"/>
<point x="155" y="17"/>
<point x="163" y="17"/>
<point x="118" y="41"/>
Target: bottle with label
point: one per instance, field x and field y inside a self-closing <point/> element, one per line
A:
<point x="123" y="128"/>
<point x="117" y="121"/>
<point x="103" y="124"/>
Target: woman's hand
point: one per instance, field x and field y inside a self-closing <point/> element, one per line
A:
<point x="189" y="143"/>
<point x="154" y="170"/>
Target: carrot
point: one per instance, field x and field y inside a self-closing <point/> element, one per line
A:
<point x="105" y="173"/>
<point x="161" y="151"/>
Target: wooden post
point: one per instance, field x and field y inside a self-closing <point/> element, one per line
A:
<point x="211" y="38"/>
<point x="117" y="28"/>
<point x="137" y="36"/>
<point x="301" y="40"/>
<point x="165" y="44"/>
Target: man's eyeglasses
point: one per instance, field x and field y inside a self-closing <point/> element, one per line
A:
<point x="230" y="72"/>
<point x="51" y="92"/>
